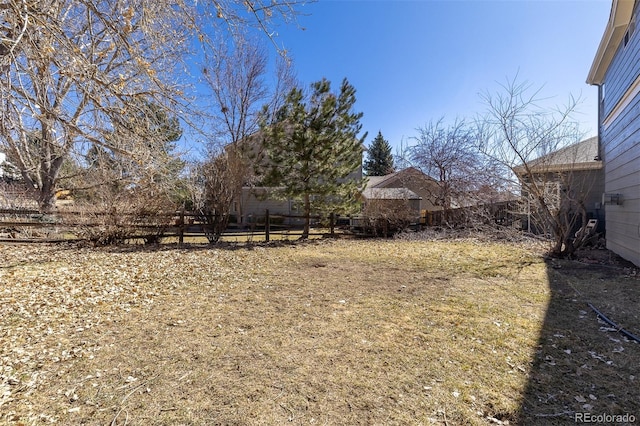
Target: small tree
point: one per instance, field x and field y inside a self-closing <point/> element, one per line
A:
<point x="379" y="158"/>
<point x="522" y="137"/>
<point x="237" y="76"/>
<point x="312" y="152"/>
<point x="223" y="174"/>
<point x="450" y="155"/>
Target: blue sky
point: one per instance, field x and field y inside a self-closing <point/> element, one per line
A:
<point x="416" y="61"/>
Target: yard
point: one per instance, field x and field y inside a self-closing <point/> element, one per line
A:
<point x="325" y="332"/>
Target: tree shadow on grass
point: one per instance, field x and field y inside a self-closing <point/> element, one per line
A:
<point x="584" y="369"/>
<point x="159" y="247"/>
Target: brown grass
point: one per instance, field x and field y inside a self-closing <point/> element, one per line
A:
<point x="325" y="332"/>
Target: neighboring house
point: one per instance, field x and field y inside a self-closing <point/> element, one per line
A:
<point x="616" y="72"/>
<point x="391" y="201"/>
<point x="253" y="203"/>
<point x="414" y="185"/>
<point x="408" y="186"/>
<point x="574" y="171"/>
<point x="255" y="200"/>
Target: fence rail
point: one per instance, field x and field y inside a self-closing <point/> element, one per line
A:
<point x="28" y="225"/>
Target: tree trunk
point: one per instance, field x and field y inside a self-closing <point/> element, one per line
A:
<point x="46" y="198"/>
<point x="307" y="217"/>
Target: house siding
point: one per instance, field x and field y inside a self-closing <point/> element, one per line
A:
<point x="253" y="205"/>
<point x="621" y="152"/>
<point x="417" y="182"/>
<point x="623" y="70"/>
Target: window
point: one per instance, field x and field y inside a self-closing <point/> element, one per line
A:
<point x="630" y="29"/>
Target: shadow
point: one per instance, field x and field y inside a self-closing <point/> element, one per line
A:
<point x="160" y="247"/>
<point x="584" y="370"/>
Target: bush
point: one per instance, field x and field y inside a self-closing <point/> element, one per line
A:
<point x="387" y="217"/>
<point x="129" y="215"/>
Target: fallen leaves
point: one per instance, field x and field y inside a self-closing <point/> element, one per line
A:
<point x="118" y="335"/>
<point x="52" y="297"/>
<point x="47" y="307"/>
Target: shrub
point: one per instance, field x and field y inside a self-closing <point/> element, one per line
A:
<point x="387" y="217"/>
<point x="128" y="215"/>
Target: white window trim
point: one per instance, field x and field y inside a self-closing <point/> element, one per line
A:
<point x="623" y="103"/>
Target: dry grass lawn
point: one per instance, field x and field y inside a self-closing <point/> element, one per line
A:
<point x="325" y="332"/>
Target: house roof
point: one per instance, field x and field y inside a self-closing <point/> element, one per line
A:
<point x="390" y="194"/>
<point x="619" y="19"/>
<point x="578" y="156"/>
<point x="380" y="181"/>
<point x="374" y="181"/>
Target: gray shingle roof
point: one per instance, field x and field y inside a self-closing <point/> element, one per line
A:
<point x="578" y="156"/>
<point x="390" y="194"/>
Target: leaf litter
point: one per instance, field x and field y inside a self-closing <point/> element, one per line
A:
<point x="260" y="335"/>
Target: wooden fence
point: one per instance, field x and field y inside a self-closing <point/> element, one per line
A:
<point x="184" y="226"/>
<point x="23" y="225"/>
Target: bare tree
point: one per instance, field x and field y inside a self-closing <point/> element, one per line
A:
<point x="526" y="138"/>
<point x="450" y="155"/>
<point x="71" y="67"/>
<point x="223" y="175"/>
<point x="78" y="66"/>
<point x="238" y="77"/>
<point x="14" y="20"/>
<point x="237" y="74"/>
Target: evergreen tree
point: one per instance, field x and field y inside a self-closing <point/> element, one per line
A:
<point x="144" y="142"/>
<point x="379" y="159"/>
<point x="140" y="152"/>
<point x="312" y="148"/>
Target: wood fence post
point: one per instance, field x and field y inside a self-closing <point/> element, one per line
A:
<point x="181" y="228"/>
<point x="332" y="219"/>
<point x="266" y="225"/>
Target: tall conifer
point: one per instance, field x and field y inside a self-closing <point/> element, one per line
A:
<point x="312" y="150"/>
<point x="379" y="158"/>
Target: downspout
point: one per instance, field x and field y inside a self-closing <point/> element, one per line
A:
<point x="600" y="108"/>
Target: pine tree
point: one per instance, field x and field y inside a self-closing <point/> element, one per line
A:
<point x="312" y="148"/>
<point x="379" y="159"/>
<point x="140" y="152"/>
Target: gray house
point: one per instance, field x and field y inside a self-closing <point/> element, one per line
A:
<point x="575" y="171"/>
<point x="616" y="72"/>
<point x="254" y="201"/>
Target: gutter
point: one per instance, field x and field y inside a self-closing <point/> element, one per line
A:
<point x="621" y="13"/>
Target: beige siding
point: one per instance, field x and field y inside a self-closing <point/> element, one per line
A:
<point x="253" y="206"/>
<point x="417" y="182"/>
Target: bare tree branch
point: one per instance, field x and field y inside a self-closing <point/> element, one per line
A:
<point x="71" y="68"/>
<point x="523" y="137"/>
